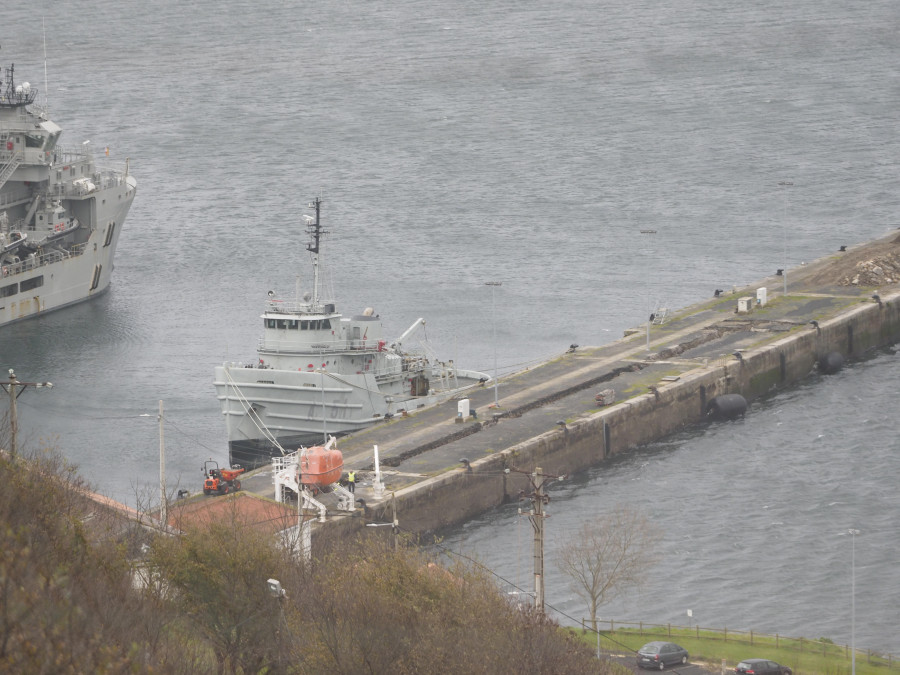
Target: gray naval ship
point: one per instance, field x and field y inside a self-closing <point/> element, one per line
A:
<point x="60" y="216"/>
<point x="319" y="373"/>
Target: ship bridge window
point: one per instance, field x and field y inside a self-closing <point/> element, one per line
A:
<point x="51" y="141"/>
<point x="281" y="323"/>
<point x="34" y="141"/>
<point x="52" y="135"/>
<point x="293" y="324"/>
<point x="6" y="291"/>
<point x="270" y="323"/>
<point x="326" y="323"/>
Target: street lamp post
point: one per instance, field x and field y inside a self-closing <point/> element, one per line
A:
<point x="163" y="503"/>
<point x="493" y="285"/>
<point x="649" y="312"/>
<point x="853" y="534"/>
<point x="785" y="184"/>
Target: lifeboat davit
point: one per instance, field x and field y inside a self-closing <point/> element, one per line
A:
<point x="320" y="465"/>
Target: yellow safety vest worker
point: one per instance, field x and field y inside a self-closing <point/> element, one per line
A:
<point x="351" y="476"/>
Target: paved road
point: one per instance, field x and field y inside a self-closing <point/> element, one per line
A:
<point x="688" y="669"/>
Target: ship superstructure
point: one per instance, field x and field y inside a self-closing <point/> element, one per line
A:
<point x="318" y="373"/>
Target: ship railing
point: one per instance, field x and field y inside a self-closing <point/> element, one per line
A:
<point x="70" y="155"/>
<point x="312" y="347"/>
<point x="279" y="463"/>
<point x="293" y="307"/>
<point x="36" y="261"/>
<point x="78" y="188"/>
<point x="74" y="156"/>
<point x="13" y="196"/>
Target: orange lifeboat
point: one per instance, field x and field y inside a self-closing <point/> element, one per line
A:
<point x="320" y="466"/>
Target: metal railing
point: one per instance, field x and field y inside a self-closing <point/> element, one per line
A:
<point x="14" y="196"/>
<point x="41" y="260"/>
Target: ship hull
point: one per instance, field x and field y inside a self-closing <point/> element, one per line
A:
<point x="53" y="282"/>
<point x="267" y="408"/>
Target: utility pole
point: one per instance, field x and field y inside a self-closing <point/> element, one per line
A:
<point x="493" y="285"/>
<point x="395" y="525"/>
<point x="649" y="303"/>
<point x="539" y="499"/>
<point x="537" y="522"/>
<point x="784" y="185"/>
<point x="15" y="388"/>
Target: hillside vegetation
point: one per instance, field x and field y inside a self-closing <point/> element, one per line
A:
<point x="69" y="602"/>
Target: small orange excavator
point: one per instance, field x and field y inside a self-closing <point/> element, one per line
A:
<point x="220" y="481"/>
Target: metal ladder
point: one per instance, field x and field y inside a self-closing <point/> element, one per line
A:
<point x="10" y="168"/>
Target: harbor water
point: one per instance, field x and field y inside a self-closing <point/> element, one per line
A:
<point x="600" y="160"/>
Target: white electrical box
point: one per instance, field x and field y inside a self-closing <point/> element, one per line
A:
<point x="761" y="296"/>
<point x="462" y="408"/>
<point x="745" y="304"/>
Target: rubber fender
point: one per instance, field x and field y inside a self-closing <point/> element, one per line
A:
<point x="726" y="407"/>
<point x="831" y="363"/>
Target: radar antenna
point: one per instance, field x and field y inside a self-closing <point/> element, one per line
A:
<point x="314" y="228"/>
<point x="315" y="231"/>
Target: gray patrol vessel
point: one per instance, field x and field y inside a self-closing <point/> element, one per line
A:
<point x="60" y="216"/>
<point x="318" y="373"/>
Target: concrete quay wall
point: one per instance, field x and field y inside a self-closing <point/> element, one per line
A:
<point x="458" y="495"/>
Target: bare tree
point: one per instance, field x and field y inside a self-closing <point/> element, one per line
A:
<point x="215" y="576"/>
<point x="608" y="555"/>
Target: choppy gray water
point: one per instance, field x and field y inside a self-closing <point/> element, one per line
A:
<point x="754" y="517"/>
<point x="525" y="142"/>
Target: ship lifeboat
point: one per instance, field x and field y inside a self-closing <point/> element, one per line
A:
<point x="320" y="465"/>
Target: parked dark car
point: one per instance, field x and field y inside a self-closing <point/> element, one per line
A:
<point x="661" y="654"/>
<point x="761" y="667"/>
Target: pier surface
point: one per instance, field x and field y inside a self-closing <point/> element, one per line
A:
<point x="548" y="415"/>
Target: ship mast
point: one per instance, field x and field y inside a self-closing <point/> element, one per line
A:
<point x="315" y="231"/>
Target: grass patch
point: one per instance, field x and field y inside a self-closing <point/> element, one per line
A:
<point x="803" y="656"/>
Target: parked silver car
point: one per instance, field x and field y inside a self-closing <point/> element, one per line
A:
<point x="761" y="667"/>
<point x="661" y="654"/>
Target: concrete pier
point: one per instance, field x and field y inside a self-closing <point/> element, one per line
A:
<point x="747" y="341"/>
